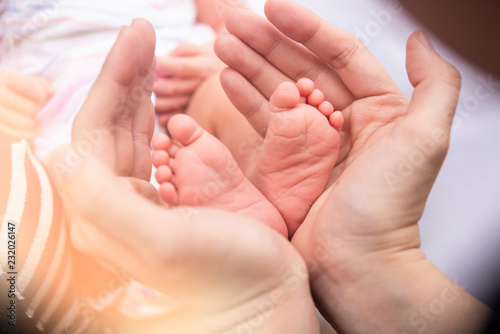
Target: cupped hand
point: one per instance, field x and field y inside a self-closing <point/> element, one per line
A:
<point x="361" y="238"/>
<point x="260" y="57"/>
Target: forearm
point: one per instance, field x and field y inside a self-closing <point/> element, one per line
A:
<point x="48" y="277"/>
<point x="412" y="298"/>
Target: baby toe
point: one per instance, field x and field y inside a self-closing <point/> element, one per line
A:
<point x="316" y="97"/>
<point x="168" y="193"/>
<point x="160" y="158"/>
<point x="161" y="142"/>
<point x="337" y="120"/>
<point x="184" y="129"/>
<point x="305" y="86"/>
<point x="163" y="174"/>
<point x="286" y="96"/>
<point x="326" y="108"/>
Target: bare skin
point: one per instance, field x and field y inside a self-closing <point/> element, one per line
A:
<point x="361" y="237"/>
<point x="18" y="105"/>
<point x="298" y="152"/>
<point x="180" y="73"/>
<point x="300" y="149"/>
<point x="205" y="258"/>
<point x="198" y="170"/>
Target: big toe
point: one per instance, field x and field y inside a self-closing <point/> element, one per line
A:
<point x="184" y="129"/>
<point x="286" y="96"/>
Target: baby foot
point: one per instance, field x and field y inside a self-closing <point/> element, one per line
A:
<point x="299" y="151"/>
<point x="197" y="169"/>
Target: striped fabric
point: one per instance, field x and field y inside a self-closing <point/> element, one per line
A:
<point x="48" y="288"/>
<point x="66" y="42"/>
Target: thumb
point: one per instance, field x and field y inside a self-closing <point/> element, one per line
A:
<point x="92" y="191"/>
<point x="107" y="217"/>
<point x="437" y="84"/>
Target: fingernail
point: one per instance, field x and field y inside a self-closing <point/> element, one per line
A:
<point x="425" y="40"/>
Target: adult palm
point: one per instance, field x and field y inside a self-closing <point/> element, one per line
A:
<point x="361" y="238"/>
<point x="382" y="133"/>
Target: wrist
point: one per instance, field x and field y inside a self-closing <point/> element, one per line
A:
<point x="286" y="308"/>
<point x="402" y="294"/>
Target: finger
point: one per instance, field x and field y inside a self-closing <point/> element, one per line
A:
<point x="16" y="120"/>
<point x="169" y="104"/>
<point x="361" y="73"/>
<point x="107" y="110"/>
<point x="39" y="91"/>
<point x="143" y="122"/>
<point x="175" y="86"/>
<point x="247" y="99"/>
<point x="186" y="49"/>
<point x="163" y="119"/>
<point x="437" y="88"/>
<point x="255" y="68"/>
<point x="17" y="134"/>
<point x="129" y="104"/>
<point x="286" y="55"/>
<point x="21" y="104"/>
<point x="117" y="209"/>
<point x="182" y="67"/>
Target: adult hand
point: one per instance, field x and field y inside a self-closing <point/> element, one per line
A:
<point x="21" y="97"/>
<point x="233" y="273"/>
<point x="361" y="238"/>
<point x="180" y="74"/>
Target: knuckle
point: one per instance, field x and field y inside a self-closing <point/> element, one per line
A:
<point x="446" y="75"/>
<point x="452" y="75"/>
<point x="342" y="59"/>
